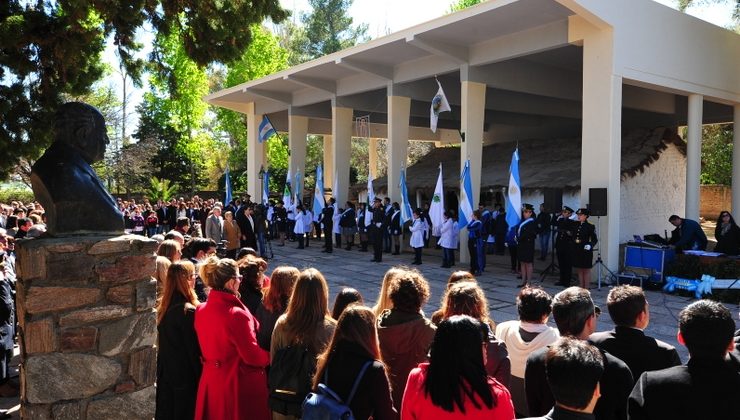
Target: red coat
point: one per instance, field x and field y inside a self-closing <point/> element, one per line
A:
<point x="417" y="406"/>
<point x="233" y="385"/>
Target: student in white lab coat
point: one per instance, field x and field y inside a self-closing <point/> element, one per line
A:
<point x="417" y="236"/>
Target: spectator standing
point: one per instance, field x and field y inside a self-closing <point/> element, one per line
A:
<point x="275" y="302"/>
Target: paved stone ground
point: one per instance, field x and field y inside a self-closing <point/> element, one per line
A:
<point x="353" y="268"/>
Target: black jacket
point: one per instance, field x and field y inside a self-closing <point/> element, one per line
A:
<point x="560" y="413"/>
<point x="729" y="243"/>
<point x="373" y="396"/>
<point x="702" y="389"/>
<point x="178" y="362"/>
<point x="616" y="383"/>
<point x="640" y="352"/>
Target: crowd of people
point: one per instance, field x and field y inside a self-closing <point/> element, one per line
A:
<point x="235" y="343"/>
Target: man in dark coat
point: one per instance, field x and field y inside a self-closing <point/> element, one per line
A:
<point x="630" y="313"/>
<point x="688" y="234"/>
<point x="576" y="316"/>
<point x="564" y="245"/>
<point x="708" y="386"/>
<point x="7" y="330"/>
<point x="327" y="219"/>
<point x="377" y="229"/>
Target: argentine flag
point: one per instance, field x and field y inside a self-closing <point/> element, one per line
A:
<point x="466" y="197"/>
<point x="266" y="130"/>
<point x="318" y="193"/>
<point x="405" y="206"/>
<point x="370" y="199"/>
<point x="298" y="185"/>
<point x="286" y="192"/>
<point x="227" y="199"/>
<point x="514" y="193"/>
<point x="437" y="208"/>
<point x="266" y="187"/>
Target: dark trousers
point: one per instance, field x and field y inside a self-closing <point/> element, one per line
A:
<point x="387" y="240"/>
<point x="417" y="255"/>
<point x="500" y="242"/>
<point x="338" y="239"/>
<point x="514" y="255"/>
<point x="376" y="236"/>
<point x="300" y="238"/>
<point x="473" y="251"/>
<point x="317" y="229"/>
<point x="565" y="261"/>
<point x="328" y="247"/>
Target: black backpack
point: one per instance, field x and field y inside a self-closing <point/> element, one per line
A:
<point x="290" y="377"/>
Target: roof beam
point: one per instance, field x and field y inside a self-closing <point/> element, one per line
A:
<point x="311" y="82"/>
<point x="458" y="53"/>
<point x="285" y="98"/>
<point x="384" y="72"/>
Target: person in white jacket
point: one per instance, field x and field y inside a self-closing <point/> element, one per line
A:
<point x="417" y="236"/>
<point x="447" y="241"/>
<point x="308" y="224"/>
<point x="300" y="226"/>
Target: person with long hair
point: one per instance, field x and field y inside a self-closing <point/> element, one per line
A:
<point x="170" y="249"/>
<point x="583" y="249"/>
<point x="232" y="235"/>
<point x="178" y="352"/>
<point x="307" y="322"/>
<point x="454" y="383"/>
<point x="345" y="297"/>
<point x="405" y="334"/>
<point x="467" y="298"/>
<point x="455" y="277"/>
<point x="727" y="234"/>
<point x="384" y="302"/>
<point x="160" y="273"/>
<point x="250" y="289"/>
<point x="355" y="342"/>
<point x="275" y="302"/>
<point x="234" y="381"/>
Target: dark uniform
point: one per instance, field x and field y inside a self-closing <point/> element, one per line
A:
<point x="327" y="218"/>
<point x="585" y="234"/>
<point x="376" y="231"/>
<point x="564" y="247"/>
<point x="526" y="234"/>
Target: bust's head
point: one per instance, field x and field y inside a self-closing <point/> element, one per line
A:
<point x="82" y="127"/>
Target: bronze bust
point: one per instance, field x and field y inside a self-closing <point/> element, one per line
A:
<point x="75" y="200"/>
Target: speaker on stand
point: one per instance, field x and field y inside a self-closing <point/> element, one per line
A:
<point x="597" y="205"/>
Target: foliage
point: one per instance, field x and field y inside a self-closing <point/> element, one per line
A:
<point x="160" y="189"/>
<point x="685" y="4"/>
<point x="53" y="48"/>
<point x="328" y="29"/>
<point x="9" y="193"/>
<point x="716" y="154"/>
<point x="463" y="4"/>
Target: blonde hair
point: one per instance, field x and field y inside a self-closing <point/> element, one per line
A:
<point x="308" y="308"/>
<point x="282" y="282"/>
<point x="178" y="276"/>
<point x="217" y="272"/>
<point x="384" y="302"/>
<point x="168" y="248"/>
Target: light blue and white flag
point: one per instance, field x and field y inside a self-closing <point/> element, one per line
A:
<point x="437" y="208"/>
<point x="466" y="197"/>
<point x="287" y="201"/>
<point x="318" y="193"/>
<point x="227" y="198"/>
<point x="334" y="190"/>
<point x="298" y="186"/>
<point x="370" y="199"/>
<point x="266" y="187"/>
<point x="405" y="206"/>
<point x="266" y="130"/>
<point x="514" y="193"/>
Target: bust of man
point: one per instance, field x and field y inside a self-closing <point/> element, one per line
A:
<point x="74" y="198"/>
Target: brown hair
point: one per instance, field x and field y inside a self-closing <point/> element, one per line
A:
<point x="252" y="269"/>
<point x="348" y="296"/>
<point x="282" y="282"/>
<point x="409" y="292"/>
<point x="625" y="303"/>
<point x="217" y="272"/>
<point x="178" y="275"/>
<point x="455" y="277"/>
<point x="467" y="298"/>
<point x="384" y="301"/>
<point x="308" y="308"/>
<point x="168" y="248"/>
<point x="356" y="325"/>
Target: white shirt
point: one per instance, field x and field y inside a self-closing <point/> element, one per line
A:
<point x="417" y="234"/>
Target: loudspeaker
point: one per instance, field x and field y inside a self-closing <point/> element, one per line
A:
<point x="553" y="200"/>
<point x="597" y="201"/>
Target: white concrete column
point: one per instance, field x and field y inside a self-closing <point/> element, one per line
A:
<point x="601" y="153"/>
<point x="341" y="127"/>
<point x="473" y="101"/>
<point x="736" y="162"/>
<point x="372" y="149"/>
<point x="399" y="109"/>
<point x="255" y="153"/>
<point x="693" y="155"/>
<point x="328" y="161"/>
<point x="297" y="132"/>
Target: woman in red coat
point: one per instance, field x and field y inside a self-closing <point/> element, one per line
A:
<point x="233" y="385"/>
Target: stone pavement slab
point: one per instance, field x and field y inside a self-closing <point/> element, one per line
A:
<point x="353" y="269"/>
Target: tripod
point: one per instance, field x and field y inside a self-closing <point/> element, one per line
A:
<point x="599" y="263"/>
<point x="550" y="269"/>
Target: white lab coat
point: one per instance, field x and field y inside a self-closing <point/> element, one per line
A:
<point x="417" y="233"/>
<point x="300" y="226"/>
<point x="447" y="235"/>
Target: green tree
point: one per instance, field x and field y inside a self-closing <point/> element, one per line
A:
<point x="463" y="4"/>
<point x="685" y="4"/>
<point x="716" y="154"/>
<point x="328" y="29"/>
<point x="49" y="49"/>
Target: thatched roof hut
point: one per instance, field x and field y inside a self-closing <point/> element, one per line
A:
<point x="543" y="163"/>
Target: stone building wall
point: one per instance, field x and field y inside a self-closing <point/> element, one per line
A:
<point x="714" y="199"/>
<point x="87" y="327"/>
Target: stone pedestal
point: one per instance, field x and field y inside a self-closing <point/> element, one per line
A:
<point x="87" y="327"/>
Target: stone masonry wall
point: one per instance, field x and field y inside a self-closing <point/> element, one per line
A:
<point x="713" y="200"/>
<point x="87" y="327"/>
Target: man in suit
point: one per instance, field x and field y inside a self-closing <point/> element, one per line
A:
<point x="708" y="386"/>
<point x="327" y="219"/>
<point x="376" y="229"/>
<point x="215" y="226"/>
<point x="630" y="313"/>
<point x="688" y="234"/>
<point x="574" y="369"/>
<point x="387" y="220"/>
<point x="172" y="214"/>
<point x="575" y="316"/>
<point x="249" y="236"/>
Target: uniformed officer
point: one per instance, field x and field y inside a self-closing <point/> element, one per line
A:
<point x="564" y="245"/>
<point x="584" y="240"/>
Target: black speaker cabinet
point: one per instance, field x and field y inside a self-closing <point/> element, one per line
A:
<point x="597" y="201"/>
<point x="553" y="200"/>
